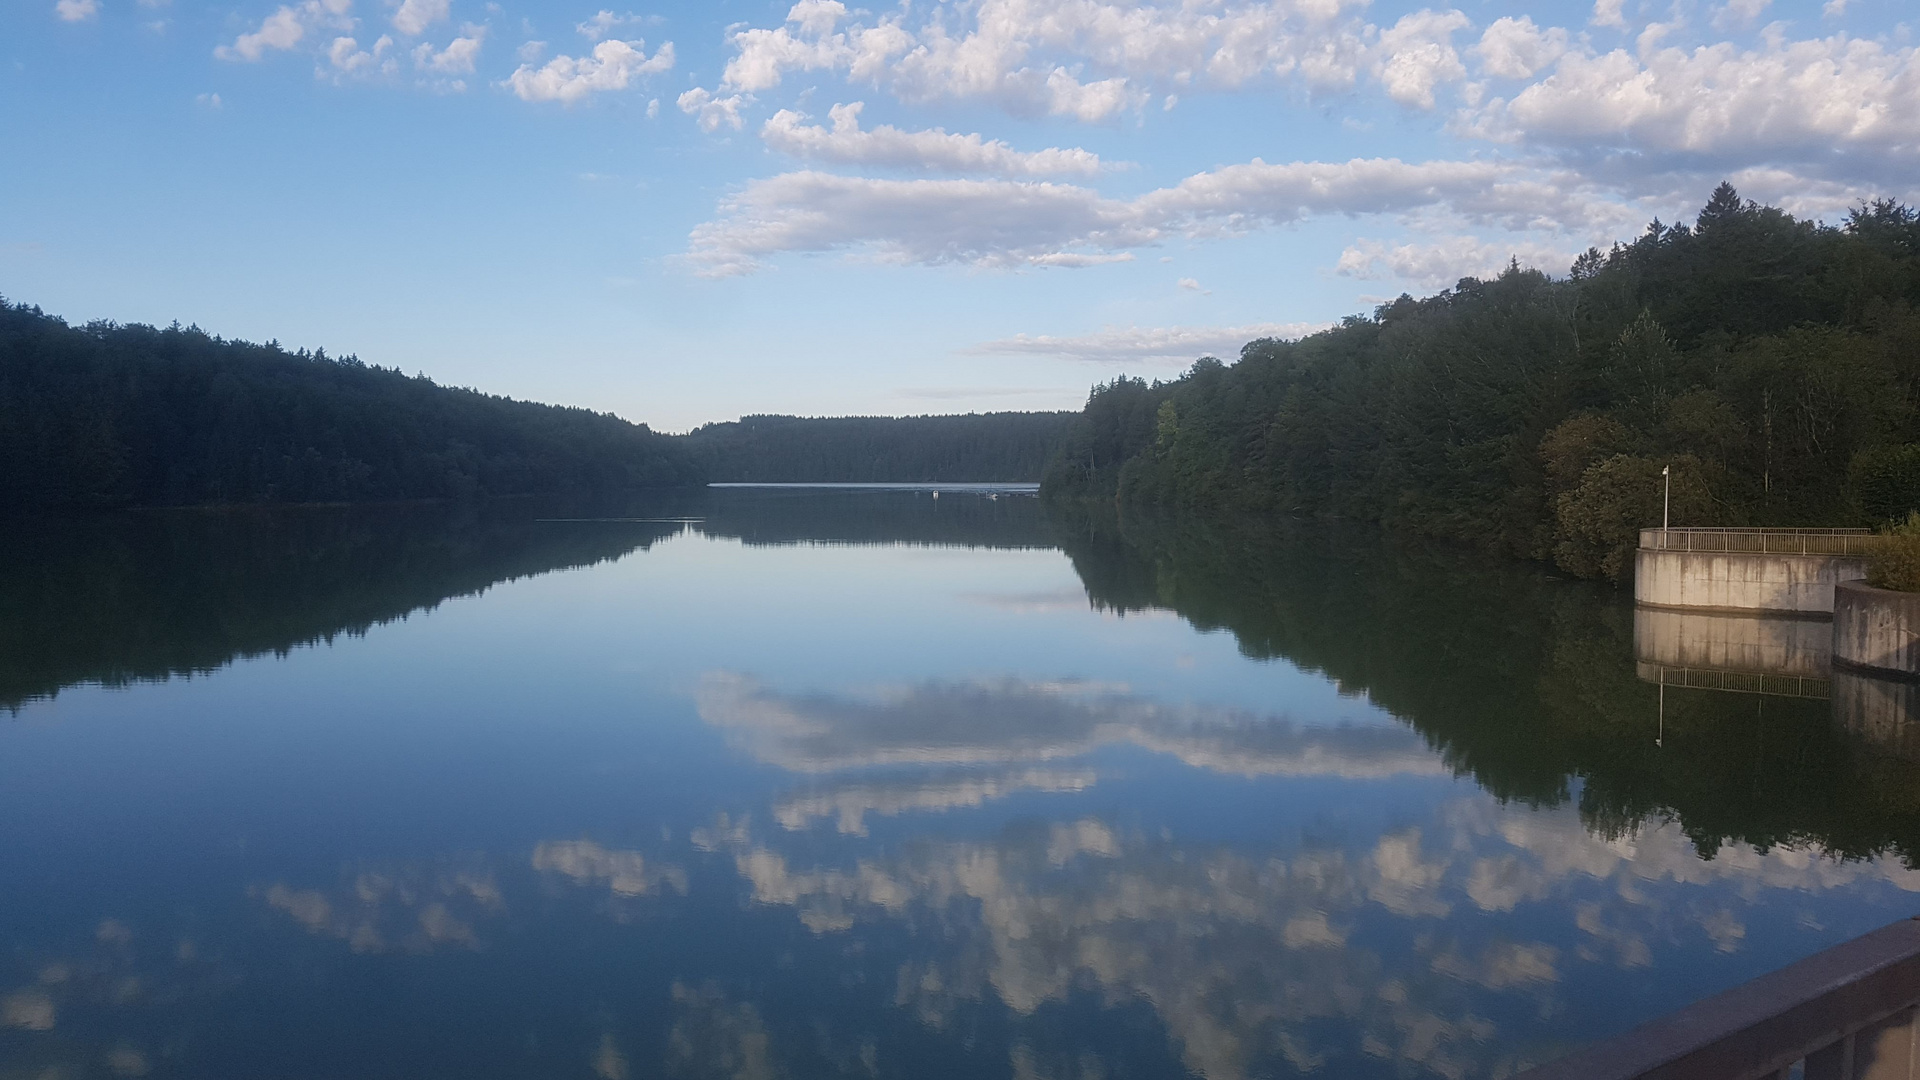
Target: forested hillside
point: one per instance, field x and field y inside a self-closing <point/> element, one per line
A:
<point x="111" y="415"/>
<point x="1005" y="446"/>
<point x="1773" y="363"/>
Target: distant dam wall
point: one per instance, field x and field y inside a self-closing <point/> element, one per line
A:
<point x="1790" y="571"/>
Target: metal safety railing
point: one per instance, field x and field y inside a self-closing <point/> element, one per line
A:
<point x="1760" y="541"/>
<point x="1844" y="1014"/>
<point x="1738" y="682"/>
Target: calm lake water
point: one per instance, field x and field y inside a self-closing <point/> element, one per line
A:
<point x="806" y="783"/>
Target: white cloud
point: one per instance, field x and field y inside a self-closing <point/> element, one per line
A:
<point x="1516" y="48"/>
<point x="1608" y="13"/>
<point x="612" y="66"/>
<point x="762" y="55"/>
<point x="1738" y="14"/>
<point x="807" y="43"/>
<point x="1192" y="284"/>
<point x="1085" y="59"/>
<point x="1441" y="263"/>
<point x="1173" y="344"/>
<point x="414" y="16"/>
<point x="1654" y="33"/>
<point x="211" y="101"/>
<point x="1004" y="223"/>
<point x="76" y="10"/>
<point x="458" y="56"/>
<point x="606" y="22"/>
<point x="885" y="145"/>
<point x="1417" y="54"/>
<point x="711" y="112"/>
<point x="1833" y="105"/>
<point x="983" y="222"/>
<point x="1240" y="197"/>
<point x="348" y="58"/>
<point x="1802" y="195"/>
<point x="1089" y="102"/>
<point x="286" y="27"/>
<point x="531" y="52"/>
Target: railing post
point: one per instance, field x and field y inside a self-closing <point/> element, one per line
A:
<point x="1884" y="1051"/>
<point x="1833" y="1063"/>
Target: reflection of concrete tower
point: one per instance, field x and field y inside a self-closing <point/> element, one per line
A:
<point x="1778" y="656"/>
<point x="1885" y="712"/>
<point x="1751" y="654"/>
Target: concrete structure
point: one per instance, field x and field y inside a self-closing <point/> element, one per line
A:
<point x="1747" y="570"/>
<point x="1877" y="630"/>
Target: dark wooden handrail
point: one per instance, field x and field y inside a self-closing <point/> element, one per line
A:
<point x="1848" y="1013"/>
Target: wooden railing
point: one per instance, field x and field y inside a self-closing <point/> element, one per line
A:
<point x="1760" y="541"/>
<point x="1843" y="1014"/>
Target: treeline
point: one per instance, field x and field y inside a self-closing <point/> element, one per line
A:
<point x="982" y="447"/>
<point x="109" y="415"/>
<point x="1772" y="363"/>
<point x="106" y="415"/>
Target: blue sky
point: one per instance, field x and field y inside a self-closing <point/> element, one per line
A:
<point x="684" y="212"/>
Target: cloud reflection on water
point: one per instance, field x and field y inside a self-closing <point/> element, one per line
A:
<point x="627" y="873"/>
<point x="849" y="804"/>
<point x="1011" y="721"/>
<point x="1248" y="960"/>
<point x="408" y="909"/>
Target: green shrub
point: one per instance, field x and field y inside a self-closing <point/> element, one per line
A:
<point x="1599" y="521"/>
<point x="1885" y="481"/>
<point x="1895" y="560"/>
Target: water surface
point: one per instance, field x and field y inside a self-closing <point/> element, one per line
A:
<point x="764" y="783"/>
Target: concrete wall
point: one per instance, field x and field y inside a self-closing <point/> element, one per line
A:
<point x="1877" y="629"/>
<point x="1885" y="712"/>
<point x="1774" y="645"/>
<point x="1741" y="581"/>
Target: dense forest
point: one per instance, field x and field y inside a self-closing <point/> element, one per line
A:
<point x="1773" y="363"/>
<point x="108" y="415"/>
<point x="982" y="447"/>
